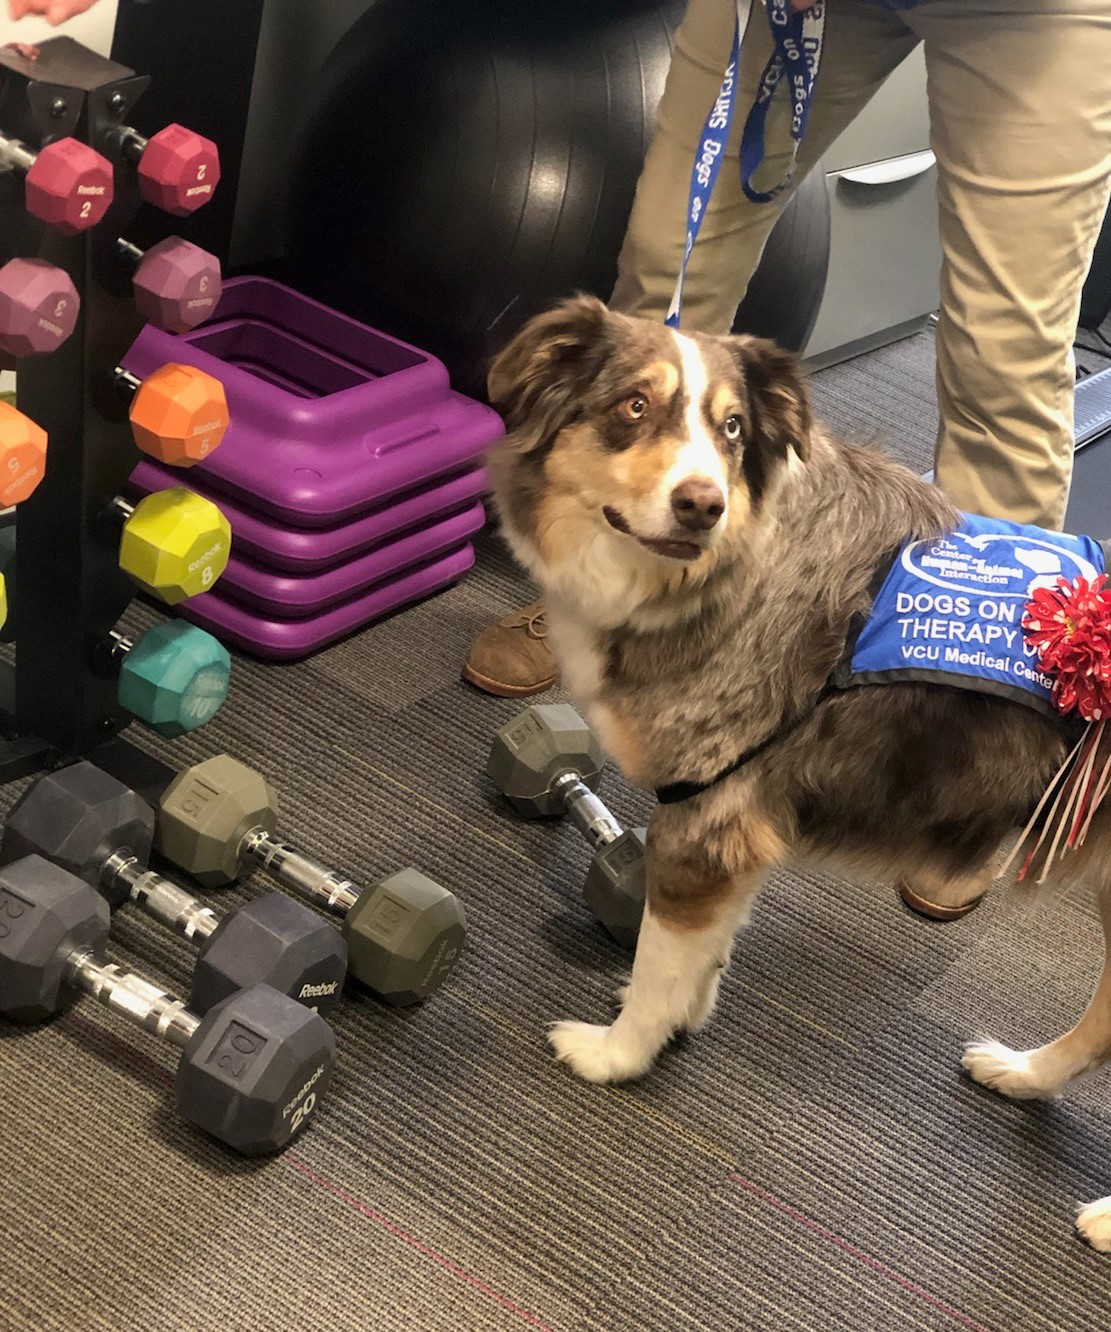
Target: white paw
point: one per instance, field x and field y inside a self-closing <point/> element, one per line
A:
<point x="594" y="1054"/>
<point x="1010" y="1072"/>
<point x="621" y="994"/>
<point x="702" y="1008"/>
<point x="1094" y="1223"/>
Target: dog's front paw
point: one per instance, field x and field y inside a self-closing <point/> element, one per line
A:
<point x="594" y="1054"/>
<point x="1094" y="1223"/>
<point x="1010" y="1072"/>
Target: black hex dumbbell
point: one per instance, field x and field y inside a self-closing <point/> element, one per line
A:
<point x="92" y="825"/>
<point x="252" y="1070"/>
<point x="547" y="762"/>
<point x="404" y="934"/>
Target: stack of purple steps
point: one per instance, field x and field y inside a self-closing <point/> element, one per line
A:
<point x="351" y="472"/>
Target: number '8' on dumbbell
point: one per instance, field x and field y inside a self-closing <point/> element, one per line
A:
<point x="94" y="827"/>
<point x="252" y="1070"/>
<point x="547" y="762"/>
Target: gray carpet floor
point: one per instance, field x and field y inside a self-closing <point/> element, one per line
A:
<point x="815" y="1160"/>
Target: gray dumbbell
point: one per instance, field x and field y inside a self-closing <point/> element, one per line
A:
<point x="252" y="1070"/>
<point x="92" y="825"/>
<point x="547" y="762"/>
<point x="404" y="934"/>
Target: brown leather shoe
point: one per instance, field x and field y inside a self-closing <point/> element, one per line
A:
<point x="922" y="906"/>
<point x="511" y="657"/>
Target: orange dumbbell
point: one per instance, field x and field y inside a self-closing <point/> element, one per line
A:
<point x="22" y="455"/>
<point x="178" y="414"/>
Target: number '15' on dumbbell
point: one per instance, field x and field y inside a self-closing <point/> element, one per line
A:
<point x="219" y="818"/>
<point x="547" y="762"/>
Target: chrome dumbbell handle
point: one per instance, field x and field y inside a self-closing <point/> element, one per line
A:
<point x="158" y="897"/>
<point x="15" y="154"/>
<point x="142" y="1003"/>
<point x="297" y="872"/>
<point x="587" y="810"/>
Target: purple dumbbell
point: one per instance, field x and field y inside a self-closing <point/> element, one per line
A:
<point x="38" y="308"/>
<point x="177" y="284"/>
<point x="67" y="185"/>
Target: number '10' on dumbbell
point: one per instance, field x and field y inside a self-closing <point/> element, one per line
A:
<point x="219" y="818"/>
<point x="252" y="1070"/>
<point x="547" y="762"/>
<point x="93" y="826"/>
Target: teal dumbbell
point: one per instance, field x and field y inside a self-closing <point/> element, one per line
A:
<point x="174" y="678"/>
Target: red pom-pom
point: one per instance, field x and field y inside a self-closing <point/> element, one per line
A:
<point x="1070" y="627"/>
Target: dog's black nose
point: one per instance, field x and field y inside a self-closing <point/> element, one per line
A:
<point x="697" y="504"/>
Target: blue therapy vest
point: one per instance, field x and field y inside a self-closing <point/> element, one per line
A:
<point x="949" y="610"/>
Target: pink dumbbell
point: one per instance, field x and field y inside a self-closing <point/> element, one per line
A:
<point x="67" y="184"/>
<point x="177" y="284"/>
<point x="38" y="308"/>
<point x="178" y="169"/>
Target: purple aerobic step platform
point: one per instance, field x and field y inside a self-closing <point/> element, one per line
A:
<point x="289" y="597"/>
<point x="303" y="550"/>
<point x="329" y="418"/>
<point x="287" y="640"/>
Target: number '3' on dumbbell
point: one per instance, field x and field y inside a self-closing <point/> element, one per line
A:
<point x="547" y="762"/>
<point x="90" y="824"/>
<point x="404" y="934"/>
<point x="252" y="1070"/>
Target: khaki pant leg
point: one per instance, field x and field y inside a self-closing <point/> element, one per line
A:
<point x="863" y="44"/>
<point x="1020" y="113"/>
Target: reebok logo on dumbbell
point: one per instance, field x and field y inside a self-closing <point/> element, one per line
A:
<point x="208" y="556"/>
<point x="304" y="1091"/>
<point x="95" y="190"/>
<point x="318" y="991"/>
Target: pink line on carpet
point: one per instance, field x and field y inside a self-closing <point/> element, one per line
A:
<point x="417" y="1244"/>
<point x="859" y="1254"/>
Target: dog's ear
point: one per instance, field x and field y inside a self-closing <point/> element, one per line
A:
<point x="536" y="382"/>
<point x="779" y="402"/>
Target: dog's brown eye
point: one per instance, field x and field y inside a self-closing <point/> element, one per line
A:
<point x="635" y="408"/>
<point x="732" y="428"/>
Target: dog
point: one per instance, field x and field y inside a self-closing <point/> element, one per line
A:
<point x="705" y="548"/>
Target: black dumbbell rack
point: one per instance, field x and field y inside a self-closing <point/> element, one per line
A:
<point x="54" y="706"/>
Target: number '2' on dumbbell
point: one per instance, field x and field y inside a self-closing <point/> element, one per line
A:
<point x="252" y="1070"/>
<point x="547" y="762"/>
<point x="94" y="827"/>
<point x="404" y="934"/>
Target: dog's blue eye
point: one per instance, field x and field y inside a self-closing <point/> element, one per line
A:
<point x="733" y="428"/>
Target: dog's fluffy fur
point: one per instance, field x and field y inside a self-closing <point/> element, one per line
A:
<point x="690" y="631"/>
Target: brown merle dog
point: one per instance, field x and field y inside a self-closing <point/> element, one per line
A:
<point x="703" y="546"/>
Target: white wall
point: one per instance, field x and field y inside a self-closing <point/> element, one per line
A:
<point x="92" y="29"/>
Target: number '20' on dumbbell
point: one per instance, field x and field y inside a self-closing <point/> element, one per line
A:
<point x="93" y="826"/>
<point x="252" y="1070"/>
<point x="547" y="762"/>
<point x="219" y="818"/>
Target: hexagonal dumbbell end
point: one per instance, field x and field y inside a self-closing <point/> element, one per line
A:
<point x="38" y="307"/>
<point x="175" y="678"/>
<point x="205" y="813"/>
<point x="615" y="886"/>
<point x="255" y="1070"/>
<point x="77" y="817"/>
<point x="69" y="186"/>
<point x="272" y="941"/>
<point x="404" y="936"/>
<point x="537" y="746"/>
<point x="179" y="415"/>
<point x="177" y="285"/>
<point x="179" y="170"/>
<point x="175" y="544"/>
<point x="46" y="915"/>
<point x="22" y="455"/>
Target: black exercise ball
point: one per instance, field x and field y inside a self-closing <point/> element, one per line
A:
<point x="464" y="163"/>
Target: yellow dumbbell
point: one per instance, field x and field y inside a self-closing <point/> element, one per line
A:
<point x="174" y="543"/>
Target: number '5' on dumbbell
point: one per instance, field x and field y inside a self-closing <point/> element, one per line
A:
<point x="547" y="762"/>
<point x="93" y="826"/>
<point x="404" y="934"/>
<point x="252" y="1070"/>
